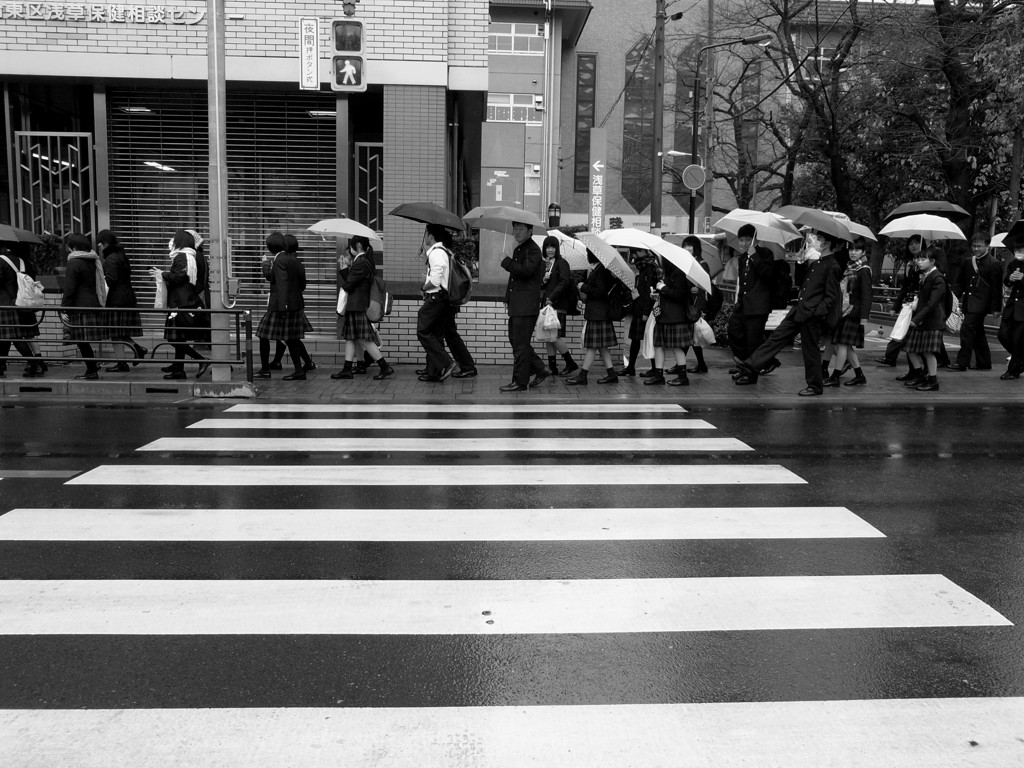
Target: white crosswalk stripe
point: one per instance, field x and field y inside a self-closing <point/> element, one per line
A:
<point x="590" y="450"/>
<point x="507" y="524"/>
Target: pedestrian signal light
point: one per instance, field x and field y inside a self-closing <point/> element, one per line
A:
<point x="348" y="63"/>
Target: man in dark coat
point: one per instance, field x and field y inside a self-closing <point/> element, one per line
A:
<point x="1011" y="329"/>
<point x="525" y="269"/>
<point x="753" y="302"/>
<point x="980" y="292"/>
<point x="818" y="309"/>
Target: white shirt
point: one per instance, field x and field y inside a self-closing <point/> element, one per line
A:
<point x="437" y="268"/>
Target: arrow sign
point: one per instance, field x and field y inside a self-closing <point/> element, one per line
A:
<point x="598" y="166"/>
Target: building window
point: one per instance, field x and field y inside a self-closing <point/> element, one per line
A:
<point x="516" y="39"/>
<point x="512" y="108"/>
<point x="638" y="125"/>
<point x="586" y="105"/>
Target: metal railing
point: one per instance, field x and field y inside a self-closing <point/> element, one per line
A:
<point x="55" y="348"/>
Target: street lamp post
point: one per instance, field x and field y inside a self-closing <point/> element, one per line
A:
<point x="660" y="18"/>
<point x="754" y="40"/>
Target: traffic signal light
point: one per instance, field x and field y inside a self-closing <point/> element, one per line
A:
<point x="348" y="63"/>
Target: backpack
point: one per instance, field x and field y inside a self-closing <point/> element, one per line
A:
<point x="460" y="281"/>
<point x="30" y="292"/>
<point x="620" y="300"/>
<point x="380" y="300"/>
<point x="781" y="284"/>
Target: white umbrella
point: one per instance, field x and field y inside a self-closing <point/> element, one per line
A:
<point x="998" y="241"/>
<point x="345" y="227"/>
<point x="927" y="225"/>
<point x="500" y="218"/>
<point x="709" y="245"/>
<point x="572" y="250"/>
<point x="859" y="230"/>
<point x="610" y="258"/>
<point x="771" y="228"/>
<point x="630" y="237"/>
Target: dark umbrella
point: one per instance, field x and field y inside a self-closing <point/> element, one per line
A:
<point x="950" y="211"/>
<point x="1016" y="233"/>
<point x="429" y="213"/>
<point x="9" y="234"/>
<point x="815" y="219"/>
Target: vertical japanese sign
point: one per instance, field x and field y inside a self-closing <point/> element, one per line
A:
<point x="598" y="160"/>
<point x="309" y="43"/>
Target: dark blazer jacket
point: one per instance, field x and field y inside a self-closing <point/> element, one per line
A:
<point x="1014" y="309"/>
<point x="80" y="284"/>
<point x="356" y="280"/>
<point x="180" y="292"/>
<point x="596" y="289"/>
<point x="819" y="293"/>
<point x="755" y="276"/>
<point x="645" y="281"/>
<point x="859" y="289"/>
<point x="930" y="314"/>
<point x="525" y="269"/>
<point x="118" y="273"/>
<point x="558" y="289"/>
<point x="676" y="298"/>
<point x="980" y="289"/>
<point x="287" y="279"/>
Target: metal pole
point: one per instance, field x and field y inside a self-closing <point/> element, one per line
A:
<point x="217" y="115"/>
<point x="693" y="143"/>
<point x="659" y="114"/>
<point x="708" y="107"/>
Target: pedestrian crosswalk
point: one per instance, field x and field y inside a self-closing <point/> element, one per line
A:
<point x="641" y="474"/>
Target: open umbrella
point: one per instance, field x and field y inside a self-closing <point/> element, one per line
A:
<point x="950" y="211"/>
<point x="500" y="218"/>
<point x="611" y="259"/>
<point x="998" y="241"/>
<point x="630" y="237"/>
<point x="9" y="234"/>
<point x="572" y="250"/>
<point x="346" y="227"/>
<point x="771" y="228"/>
<point x="429" y="213"/>
<point x="927" y="225"/>
<point x="709" y="245"/>
<point x="815" y="219"/>
<point x="1016" y="231"/>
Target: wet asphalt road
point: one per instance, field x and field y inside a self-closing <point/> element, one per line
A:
<point x="942" y="484"/>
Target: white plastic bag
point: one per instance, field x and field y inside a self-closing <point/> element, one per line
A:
<point x="703" y="335"/>
<point x="647" y="346"/>
<point x="549" y="318"/>
<point x="342" y="301"/>
<point x="160" y="296"/>
<point x="902" y="324"/>
<point x="541" y="332"/>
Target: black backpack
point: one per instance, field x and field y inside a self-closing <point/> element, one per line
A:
<point x="620" y="300"/>
<point x="460" y="281"/>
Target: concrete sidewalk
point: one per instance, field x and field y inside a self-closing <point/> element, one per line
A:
<point x="714" y="388"/>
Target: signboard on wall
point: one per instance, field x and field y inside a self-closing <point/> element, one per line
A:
<point x="309" y="45"/>
<point x="598" y="161"/>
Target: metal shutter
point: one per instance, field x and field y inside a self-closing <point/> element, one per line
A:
<point x="281" y="177"/>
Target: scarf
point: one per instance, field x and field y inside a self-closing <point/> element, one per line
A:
<point x="191" y="267"/>
<point x="101" y="282"/>
<point x="856" y="264"/>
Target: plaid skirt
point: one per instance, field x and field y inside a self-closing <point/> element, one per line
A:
<point x="357" y="326"/>
<point x="673" y="335"/>
<point x="18" y="324"/>
<point x="123" y="322"/>
<point x="849" y="331"/>
<point x="187" y="327"/>
<point x="919" y="341"/>
<point x="85" y="326"/>
<point x="284" y="325"/>
<point x="599" y="334"/>
<point x="637" y="326"/>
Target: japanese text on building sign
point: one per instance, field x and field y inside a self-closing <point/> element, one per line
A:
<point x="92" y="12"/>
<point x="597" y="202"/>
<point x="309" y="42"/>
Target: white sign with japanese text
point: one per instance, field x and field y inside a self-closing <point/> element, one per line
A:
<point x="598" y="160"/>
<point x="103" y="13"/>
<point x="309" y="43"/>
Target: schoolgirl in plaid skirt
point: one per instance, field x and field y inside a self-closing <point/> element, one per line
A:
<point x="285" y="319"/>
<point x="924" y="339"/>
<point x="848" y="335"/>
<point x="599" y="332"/>
<point x="356" y="272"/>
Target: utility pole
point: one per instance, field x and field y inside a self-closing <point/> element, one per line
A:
<point x="659" y="115"/>
<point x="1015" y="172"/>
<point x="709" y="111"/>
<point x="218" y="181"/>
